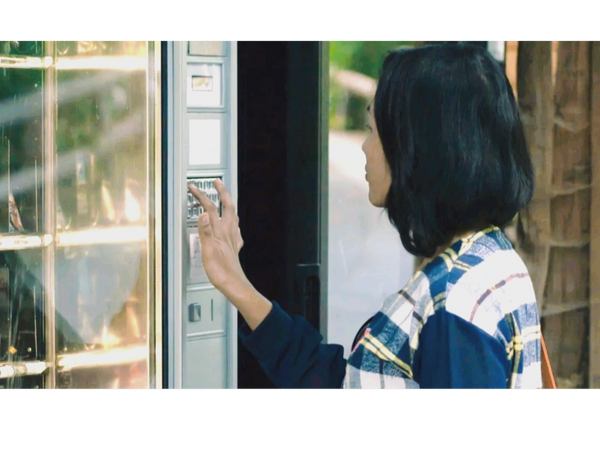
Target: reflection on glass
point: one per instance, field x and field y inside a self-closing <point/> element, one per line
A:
<point x="74" y="302"/>
<point x="103" y="298"/>
<point x="101" y="48"/>
<point x="102" y="170"/>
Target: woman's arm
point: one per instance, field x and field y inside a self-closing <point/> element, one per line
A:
<point x="288" y="348"/>
<point x="290" y="352"/>
<point x="221" y="241"/>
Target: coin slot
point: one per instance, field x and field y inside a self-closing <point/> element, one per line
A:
<point x="195" y="313"/>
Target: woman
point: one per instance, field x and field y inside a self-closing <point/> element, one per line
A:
<point x="447" y="159"/>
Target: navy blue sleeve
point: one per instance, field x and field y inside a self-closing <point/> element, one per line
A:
<point x="454" y="353"/>
<point x="290" y="352"/>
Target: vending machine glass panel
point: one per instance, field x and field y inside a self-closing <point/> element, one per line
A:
<point x="78" y="201"/>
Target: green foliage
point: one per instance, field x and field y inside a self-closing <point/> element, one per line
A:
<point x="345" y="110"/>
<point x="362" y="56"/>
<point x="341" y="53"/>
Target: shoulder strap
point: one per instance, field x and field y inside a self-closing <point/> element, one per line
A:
<point x="547" y="375"/>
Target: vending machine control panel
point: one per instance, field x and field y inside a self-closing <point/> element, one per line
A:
<point x="194" y="209"/>
<point x="205" y="148"/>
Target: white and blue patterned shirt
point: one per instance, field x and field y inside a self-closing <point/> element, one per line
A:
<point x="467" y="319"/>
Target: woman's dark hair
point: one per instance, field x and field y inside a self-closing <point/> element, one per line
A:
<point x="452" y="136"/>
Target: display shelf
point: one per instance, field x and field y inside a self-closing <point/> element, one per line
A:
<point x="24" y="62"/>
<point x="120" y="63"/>
<point x="17" y="242"/>
<point x="104" y="357"/>
<point x="14" y="369"/>
<point x="113" y="235"/>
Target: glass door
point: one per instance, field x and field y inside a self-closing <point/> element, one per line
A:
<point x="367" y="262"/>
<point x="78" y="201"/>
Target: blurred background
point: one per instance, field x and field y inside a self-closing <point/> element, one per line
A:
<point x="367" y="262"/>
<point x="558" y="89"/>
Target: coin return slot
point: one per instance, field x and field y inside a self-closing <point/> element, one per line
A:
<point x="214" y="313"/>
<point x="195" y="313"/>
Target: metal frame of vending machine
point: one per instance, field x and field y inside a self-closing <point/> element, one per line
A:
<point x="201" y="145"/>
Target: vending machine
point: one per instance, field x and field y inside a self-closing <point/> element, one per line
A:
<point x="101" y="276"/>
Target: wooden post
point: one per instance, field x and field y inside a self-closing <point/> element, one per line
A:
<point x="567" y="287"/>
<point x="535" y="88"/>
<point x="534" y="84"/>
<point x="594" y="373"/>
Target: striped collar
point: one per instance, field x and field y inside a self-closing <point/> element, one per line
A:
<point x="460" y="245"/>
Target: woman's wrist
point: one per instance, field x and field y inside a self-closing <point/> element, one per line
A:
<point x="252" y="305"/>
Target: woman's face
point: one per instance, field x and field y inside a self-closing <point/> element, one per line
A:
<point x="378" y="172"/>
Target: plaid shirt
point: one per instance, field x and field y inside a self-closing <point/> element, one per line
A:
<point x="466" y="319"/>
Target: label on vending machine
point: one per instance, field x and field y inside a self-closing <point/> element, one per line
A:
<point x="204" y="85"/>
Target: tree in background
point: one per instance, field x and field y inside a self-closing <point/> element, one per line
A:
<point x="347" y="109"/>
<point x="362" y="56"/>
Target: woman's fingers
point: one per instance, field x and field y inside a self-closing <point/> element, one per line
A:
<point x="207" y="205"/>
<point x="226" y="229"/>
<point x="226" y="202"/>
